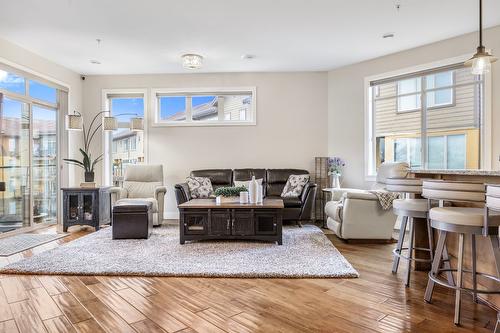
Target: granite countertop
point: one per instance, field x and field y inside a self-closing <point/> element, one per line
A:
<point x="457" y="172"/>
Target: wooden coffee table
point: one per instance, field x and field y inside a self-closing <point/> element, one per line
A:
<point x="204" y="219"/>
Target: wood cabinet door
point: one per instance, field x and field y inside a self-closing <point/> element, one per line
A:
<point x="220" y="222"/>
<point x="266" y="223"/>
<point x="242" y="223"/>
<point x="195" y="223"/>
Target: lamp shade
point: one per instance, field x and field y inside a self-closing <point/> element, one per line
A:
<point x="74" y="122"/>
<point x="109" y="123"/>
<point x="136" y="124"/>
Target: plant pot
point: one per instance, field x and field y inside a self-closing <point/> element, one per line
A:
<point x="89" y="177"/>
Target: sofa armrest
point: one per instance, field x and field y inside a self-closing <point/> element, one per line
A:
<point x="360" y="195"/>
<point x="160" y="190"/>
<point x="117" y="193"/>
<point x="182" y="193"/>
<point x="338" y="193"/>
<point x="308" y="197"/>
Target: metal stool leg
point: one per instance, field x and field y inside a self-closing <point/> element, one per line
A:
<point x="430" y="235"/>
<point x="474" y="277"/>
<point x="495" y="244"/>
<point x="401" y="239"/>
<point x="458" y="292"/>
<point x="447" y="265"/>
<point x="410" y="251"/>
<point x="497" y="326"/>
<point x="435" y="265"/>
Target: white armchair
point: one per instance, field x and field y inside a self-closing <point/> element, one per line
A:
<point x="357" y="214"/>
<point x="143" y="183"/>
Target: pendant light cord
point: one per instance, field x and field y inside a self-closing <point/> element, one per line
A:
<point x="481" y="23"/>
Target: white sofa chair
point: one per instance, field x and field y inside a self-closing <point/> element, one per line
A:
<point x="357" y="214"/>
<point x="142" y="183"/>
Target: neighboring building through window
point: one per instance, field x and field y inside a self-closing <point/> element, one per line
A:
<point x="197" y="107"/>
<point x="430" y="119"/>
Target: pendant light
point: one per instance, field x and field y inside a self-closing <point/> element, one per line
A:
<point x="482" y="60"/>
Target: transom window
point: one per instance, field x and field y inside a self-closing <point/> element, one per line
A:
<point x="204" y="107"/>
<point x="430" y="119"/>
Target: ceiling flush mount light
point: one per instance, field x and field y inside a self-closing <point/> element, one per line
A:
<point x="192" y="61"/>
<point x="482" y="60"/>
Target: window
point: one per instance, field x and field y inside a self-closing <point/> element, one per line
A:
<point x="204" y="107"/>
<point x="43" y="92"/>
<point x="443" y="133"/>
<point x="12" y="82"/>
<point x="123" y="149"/>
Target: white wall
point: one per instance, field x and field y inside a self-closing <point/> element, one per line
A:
<point x="346" y="97"/>
<point x="291" y="124"/>
<point x="15" y="56"/>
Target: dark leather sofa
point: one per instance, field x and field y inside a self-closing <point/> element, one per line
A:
<point x="273" y="181"/>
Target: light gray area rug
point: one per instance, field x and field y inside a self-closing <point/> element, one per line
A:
<point x="306" y="252"/>
<point x="18" y="243"/>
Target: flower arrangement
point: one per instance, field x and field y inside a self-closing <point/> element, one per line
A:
<point x="335" y="166"/>
<point x="230" y="191"/>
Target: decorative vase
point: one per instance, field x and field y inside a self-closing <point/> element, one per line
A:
<point x="260" y="197"/>
<point x="89" y="177"/>
<point x="335" y="180"/>
<point x="252" y="190"/>
<point x="244" y="197"/>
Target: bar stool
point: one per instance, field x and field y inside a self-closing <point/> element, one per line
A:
<point x="409" y="209"/>
<point x="462" y="221"/>
<point x="493" y="205"/>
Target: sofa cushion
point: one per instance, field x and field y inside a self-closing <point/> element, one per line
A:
<point x="277" y="178"/>
<point x="294" y="186"/>
<point x="288" y="202"/>
<point x="199" y="187"/>
<point x="137" y="202"/>
<point x="218" y="177"/>
<point x="246" y="183"/>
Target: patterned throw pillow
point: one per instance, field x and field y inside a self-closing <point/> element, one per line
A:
<point x="199" y="187"/>
<point x="294" y="186"/>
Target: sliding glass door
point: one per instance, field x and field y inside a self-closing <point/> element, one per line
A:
<point x="15" y="165"/>
<point x="29" y="112"/>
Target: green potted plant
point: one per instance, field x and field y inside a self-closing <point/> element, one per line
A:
<point x="229" y="194"/>
<point x="87" y="164"/>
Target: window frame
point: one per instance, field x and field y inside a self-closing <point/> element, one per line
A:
<point x="189" y="92"/>
<point x="486" y="156"/>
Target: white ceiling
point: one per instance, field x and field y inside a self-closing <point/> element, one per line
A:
<point x="149" y="36"/>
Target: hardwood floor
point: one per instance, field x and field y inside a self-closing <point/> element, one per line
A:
<point x="375" y="302"/>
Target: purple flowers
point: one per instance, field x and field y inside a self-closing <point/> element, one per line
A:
<point x="335" y="165"/>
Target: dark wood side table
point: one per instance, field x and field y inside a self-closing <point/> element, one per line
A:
<point x="86" y="206"/>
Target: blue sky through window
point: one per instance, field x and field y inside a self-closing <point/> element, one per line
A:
<point x="198" y="100"/>
<point x="127" y="105"/>
<point x="170" y="105"/>
<point x="43" y="92"/>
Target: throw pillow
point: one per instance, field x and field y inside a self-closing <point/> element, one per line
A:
<point x="199" y="187"/>
<point x="294" y="186"/>
<point x="246" y="183"/>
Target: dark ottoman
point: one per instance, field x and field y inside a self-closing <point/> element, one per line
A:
<point x="132" y="219"/>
